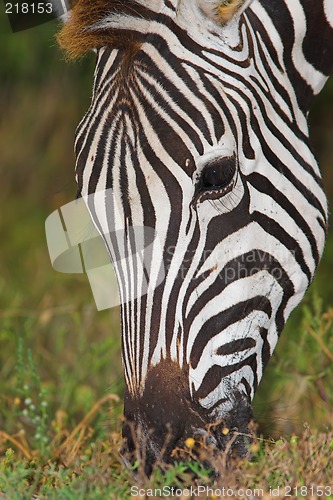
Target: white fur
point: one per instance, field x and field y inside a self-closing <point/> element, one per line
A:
<point x="328" y="8"/>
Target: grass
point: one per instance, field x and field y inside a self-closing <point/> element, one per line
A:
<point x="89" y="468"/>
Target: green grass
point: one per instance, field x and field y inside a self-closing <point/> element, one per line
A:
<point x="61" y="379"/>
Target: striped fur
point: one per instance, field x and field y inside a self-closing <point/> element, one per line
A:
<point x="179" y="95"/>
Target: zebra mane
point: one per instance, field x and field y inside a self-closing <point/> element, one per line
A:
<point x="82" y="33"/>
<point x="115" y="23"/>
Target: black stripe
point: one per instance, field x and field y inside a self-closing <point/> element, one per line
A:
<point x="216" y="373"/>
<point x="263" y="185"/>
<point x="273" y="228"/>
<point x="236" y="346"/>
<point x="223" y="320"/>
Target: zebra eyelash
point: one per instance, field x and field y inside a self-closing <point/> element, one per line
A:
<point x="215" y="194"/>
<point x="228" y="202"/>
<point x="223" y="202"/>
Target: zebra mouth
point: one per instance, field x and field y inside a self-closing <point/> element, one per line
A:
<point x="166" y="423"/>
<point x="187" y="438"/>
<point x="205" y="445"/>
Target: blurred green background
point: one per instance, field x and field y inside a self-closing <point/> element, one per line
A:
<point x="76" y="349"/>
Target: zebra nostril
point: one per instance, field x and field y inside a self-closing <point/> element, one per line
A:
<point x="206" y="437"/>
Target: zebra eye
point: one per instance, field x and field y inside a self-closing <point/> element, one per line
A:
<point x="218" y="174"/>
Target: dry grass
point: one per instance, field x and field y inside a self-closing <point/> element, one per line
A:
<point x="82" y="467"/>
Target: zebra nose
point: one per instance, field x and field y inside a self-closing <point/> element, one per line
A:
<point x="162" y="416"/>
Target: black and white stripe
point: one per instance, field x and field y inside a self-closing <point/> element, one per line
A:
<point x="199" y="100"/>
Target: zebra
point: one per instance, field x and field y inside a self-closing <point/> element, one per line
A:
<point x="198" y="127"/>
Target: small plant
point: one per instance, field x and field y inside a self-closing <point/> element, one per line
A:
<point x="31" y="399"/>
<point x="319" y="325"/>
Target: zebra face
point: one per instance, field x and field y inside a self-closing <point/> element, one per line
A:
<point x="197" y="136"/>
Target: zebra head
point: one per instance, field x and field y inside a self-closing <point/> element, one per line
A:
<point x="198" y="129"/>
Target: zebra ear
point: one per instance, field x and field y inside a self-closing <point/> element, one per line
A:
<point x="223" y="11"/>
